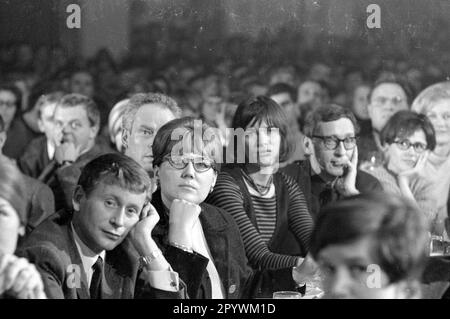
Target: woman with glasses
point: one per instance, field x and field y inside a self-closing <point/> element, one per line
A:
<point x="18" y="278"/>
<point x="434" y="102"/>
<point x="202" y="242"/>
<point x="268" y="206"/>
<point x="407" y="139"/>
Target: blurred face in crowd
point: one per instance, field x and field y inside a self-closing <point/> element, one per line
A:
<point x="386" y="100"/>
<point x="10" y="227"/>
<point x="403" y="154"/>
<point x="263" y="142"/>
<point x="211" y="107"/>
<point x="82" y="83"/>
<point x="103" y="218"/>
<point x="309" y="91"/>
<point x="191" y="183"/>
<point x="147" y="121"/>
<point x="439" y="115"/>
<point x="351" y="271"/>
<point x="333" y="161"/>
<point x="45" y="121"/>
<point x="8" y="107"/>
<point x="361" y="101"/>
<point x="284" y="100"/>
<point x="72" y="126"/>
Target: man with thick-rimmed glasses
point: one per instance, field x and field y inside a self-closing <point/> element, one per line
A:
<point x="331" y="172"/>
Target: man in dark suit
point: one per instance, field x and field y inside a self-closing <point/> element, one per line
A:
<point x="76" y="124"/>
<point x="331" y="173"/>
<point x="94" y="251"/>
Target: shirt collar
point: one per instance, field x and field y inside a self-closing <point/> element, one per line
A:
<point x="88" y="257"/>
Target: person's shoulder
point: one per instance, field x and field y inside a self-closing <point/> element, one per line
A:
<point x="216" y="214"/>
<point x="36" y="146"/>
<point x="52" y="230"/>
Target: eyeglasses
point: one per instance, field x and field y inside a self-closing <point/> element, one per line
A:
<point x="406" y="144"/>
<point x="8" y="104"/>
<point x="74" y="125"/>
<point x="382" y="100"/>
<point x="332" y="142"/>
<point x="434" y="116"/>
<point x="200" y="164"/>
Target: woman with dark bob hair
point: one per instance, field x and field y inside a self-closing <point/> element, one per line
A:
<point x="19" y="278"/>
<point x="268" y="206"/>
<point x="200" y="241"/>
<point x="371" y="246"/>
<point x="407" y="140"/>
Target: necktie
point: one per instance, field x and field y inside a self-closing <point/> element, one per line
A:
<point x="96" y="282"/>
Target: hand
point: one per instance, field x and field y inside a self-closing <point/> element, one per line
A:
<point x="141" y="234"/>
<point x="19" y="278"/>
<point x="305" y="270"/>
<point x="417" y="169"/>
<point x="67" y="152"/>
<point x="346" y="185"/>
<point x="183" y="216"/>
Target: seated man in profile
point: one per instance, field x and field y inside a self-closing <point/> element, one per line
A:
<point x="371" y="246"/>
<point x="93" y="251"/>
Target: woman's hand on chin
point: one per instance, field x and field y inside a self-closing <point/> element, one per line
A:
<point x="183" y="216"/>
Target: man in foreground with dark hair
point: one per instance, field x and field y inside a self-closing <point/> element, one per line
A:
<point x="371" y="247"/>
<point x="93" y="251"/>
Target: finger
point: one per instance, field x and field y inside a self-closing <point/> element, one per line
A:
<point x="12" y="271"/>
<point x="22" y="279"/>
<point x="355" y="157"/>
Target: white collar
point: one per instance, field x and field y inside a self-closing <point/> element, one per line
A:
<point x="88" y="257"/>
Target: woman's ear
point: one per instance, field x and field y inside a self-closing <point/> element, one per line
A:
<point x="21" y="230"/>
<point x="78" y="195"/>
<point x="308" y="145"/>
<point x="155" y="179"/>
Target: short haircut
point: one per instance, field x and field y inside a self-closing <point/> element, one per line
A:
<point x="399" y="232"/>
<point x="115" y="169"/>
<point x="73" y="100"/>
<point x="184" y="131"/>
<point x="263" y="109"/>
<point x="327" y="113"/>
<point x="2" y="124"/>
<point x="405" y="123"/>
<point x="140" y="99"/>
<point x="47" y="99"/>
<point x="279" y="88"/>
<point x="12" y="188"/>
<point x="430" y="96"/>
<point x="395" y="80"/>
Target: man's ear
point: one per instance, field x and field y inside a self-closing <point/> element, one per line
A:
<point x="40" y="125"/>
<point x="78" y="195"/>
<point x="94" y="131"/>
<point x="308" y="145"/>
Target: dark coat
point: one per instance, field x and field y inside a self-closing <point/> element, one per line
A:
<point x="40" y="202"/>
<point x="315" y="188"/>
<point x="227" y="250"/>
<point x="35" y="157"/>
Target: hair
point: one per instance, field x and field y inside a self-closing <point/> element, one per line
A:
<point x="2" y="124"/>
<point x="185" y="130"/>
<point x="115" y="117"/>
<point x="47" y="99"/>
<point x="263" y="109"/>
<point x="12" y="188"/>
<point x="429" y="96"/>
<point x="395" y="80"/>
<point x="327" y="113"/>
<point x="140" y="99"/>
<point x="405" y="123"/>
<point x="279" y="88"/>
<point x="115" y="169"/>
<point x="73" y="100"/>
<point x="399" y="231"/>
